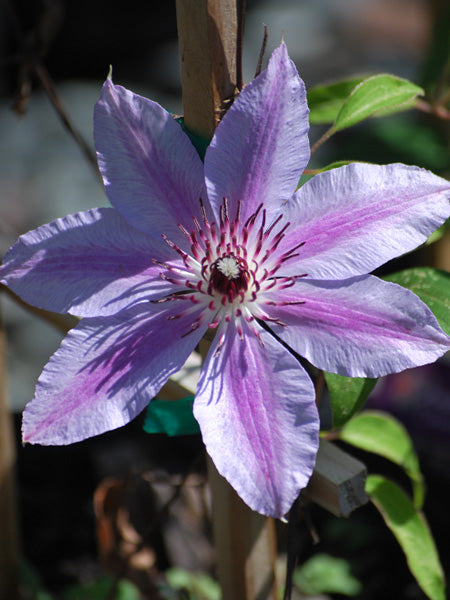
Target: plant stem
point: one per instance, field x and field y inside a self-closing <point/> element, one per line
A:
<point x="328" y="133"/>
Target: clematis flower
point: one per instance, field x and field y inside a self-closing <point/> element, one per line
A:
<point x="227" y="245"/>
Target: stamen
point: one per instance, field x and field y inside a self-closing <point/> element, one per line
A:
<point x="284" y="302"/>
<point x="294" y="249"/>
<point x="225" y="209"/>
<point x="185" y="231"/>
<point x="205" y="218"/>
<point x="214" y="323"/>
<point x="252" y="218"/>
<point x="228" y="267"/>
<point x="197" y="224"/>
<point x="261" y="227"/>
<point x="186" y="258"/>
<point x="269" y="231"/>
<point x="285" y="258"/>
<point x="194" y="326"/>
<point x="164" y="277"/>
<point x="219" y="344"/>
<point x="238" y="213"/>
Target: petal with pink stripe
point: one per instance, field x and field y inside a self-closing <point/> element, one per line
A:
<point x="361" y="327"/>
<point x="357" y="217"/>
<point x="107" y="370"/>
<point x="258" y="418"/>
<point x="261" y="146"/>
<point x="152" y="173"/>
<point x="89" y="264"/>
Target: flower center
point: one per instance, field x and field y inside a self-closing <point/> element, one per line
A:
<point x="229" y="276"/>
<point x="232" y="269"/>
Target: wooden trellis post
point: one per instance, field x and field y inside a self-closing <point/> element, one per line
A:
<point x="9" y="537"/>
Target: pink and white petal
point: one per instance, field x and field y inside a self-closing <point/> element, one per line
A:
<point x="261" y="146"/>
<point x="357" y="217"/>
<point x="360" y="327"/>
<point x="257" y="413"/>
<point x="107" y="370"/>
<point x="152" y="173"/>
<point x="90" y="264"/>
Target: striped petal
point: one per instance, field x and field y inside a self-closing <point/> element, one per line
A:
<point x="261" y="146"/>
<point x="88" y="264"/>
<point x="107" y="370"/>
<point x="361" y="327"/>
<point x="258" y="418"/>
<point x="357" y="217"/>
<point x="152" y="173"/>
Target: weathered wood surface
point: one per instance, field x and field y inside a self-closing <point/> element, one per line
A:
<point x="9" y="537"/>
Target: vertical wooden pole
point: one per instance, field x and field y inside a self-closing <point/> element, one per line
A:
<point x="207" y="32"/>
<point x="245" y="544"/>
<point x="9" y="546"/>
<point x="208" y="36"/>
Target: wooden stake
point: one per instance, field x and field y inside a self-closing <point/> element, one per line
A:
<point x="9" y="544"/>
<point x="245" y="544"/>
<point x="337" y="483"/>
<point x="208" y="38"/>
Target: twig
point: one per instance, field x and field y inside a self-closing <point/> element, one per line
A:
<point x="163" y="511"/>
<point x="323" y="139"/>
<point x="319" y="386"/>
<point x="442" y="83"/>
<point x="298" y="513"/>
<point x="433" y="109"/>
<point x="311" y="171"/>
<point x="49" y="88"/>
<point x="9" y="534"/>
<point x="31" y="57"/>
<point x="262" y="52"/>
<point x="240" y="40"/>
<point x="292" y="549"/>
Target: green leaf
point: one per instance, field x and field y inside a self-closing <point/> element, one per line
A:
<point x="382" y="434"/>
<point x="347" y="395"/>
<point x="325" y="101"/>
<point x="432" y="286"/>
<point x="334" y="165"/>
<point x="436" y="235"/>
<point x="324" y="574"/>
<point x="31" y="584"/>
<point x="376" y="95"/>
<point x="198" y="585"/>
<point x="412" y="533"/>
<point x="173" y="417"/>
<point x="101" y="589"/>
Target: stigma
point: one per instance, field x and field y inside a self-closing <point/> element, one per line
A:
<point x="228" y="266"/>
<point x="229" y="277"/>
